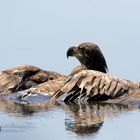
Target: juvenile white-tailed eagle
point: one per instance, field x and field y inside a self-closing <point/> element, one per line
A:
<point x="91" y="82"/>
<point x="87" y="82"/>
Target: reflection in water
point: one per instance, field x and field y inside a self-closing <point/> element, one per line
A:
<point x="81" y="119"/>
<point x="23" y="109"/>
<point x="81" y="129"/>
<point x="87" y="119"/>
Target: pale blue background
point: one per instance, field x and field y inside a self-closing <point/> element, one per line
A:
<point x="39" y="32"/>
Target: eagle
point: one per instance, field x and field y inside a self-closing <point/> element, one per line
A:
<point x="88" y="82"/>
<point x="91" y="81"/>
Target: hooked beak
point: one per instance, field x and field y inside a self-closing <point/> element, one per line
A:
<point x="71" y="51"/>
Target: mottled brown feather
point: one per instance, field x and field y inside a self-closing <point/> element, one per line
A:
<point x="97" y="86"/>
<point x="24" y="77"/>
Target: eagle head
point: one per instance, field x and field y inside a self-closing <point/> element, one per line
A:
<point x="89" y="55"/>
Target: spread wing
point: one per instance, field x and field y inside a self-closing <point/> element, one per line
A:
<point x="40" y="93"/>
<point x="24" y="77"/>
<point x="95" y="86"/>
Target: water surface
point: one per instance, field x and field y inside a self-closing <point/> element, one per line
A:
<point x="68" y="121"/>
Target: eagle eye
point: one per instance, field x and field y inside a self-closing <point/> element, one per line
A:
<point x="82" y="49"/>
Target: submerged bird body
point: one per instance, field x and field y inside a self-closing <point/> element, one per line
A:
<point x="40" y="93"/>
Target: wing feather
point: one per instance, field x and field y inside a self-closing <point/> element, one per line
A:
<point x="95" y="85"/>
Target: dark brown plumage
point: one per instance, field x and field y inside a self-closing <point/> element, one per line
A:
<point x="91" y="83"/>
<point x="90" y="56"/>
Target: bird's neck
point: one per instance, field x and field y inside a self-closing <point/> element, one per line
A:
<point x="96" y="66"/>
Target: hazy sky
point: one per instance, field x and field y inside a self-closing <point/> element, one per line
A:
<point x="39" y="32"/>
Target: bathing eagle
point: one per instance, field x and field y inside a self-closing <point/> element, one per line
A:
<point x="91" y="82"/>
<point x="88" y="82"/>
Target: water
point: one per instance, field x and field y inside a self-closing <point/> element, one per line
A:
<point x="39" y="33"/>
<point x="69" y="121"/>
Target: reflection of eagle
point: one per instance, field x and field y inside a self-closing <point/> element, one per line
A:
<point x="88" y="118"/>
<point x="88" y="84"/>
<point x="82" y="119"/>
<point x="89" y="81"/>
